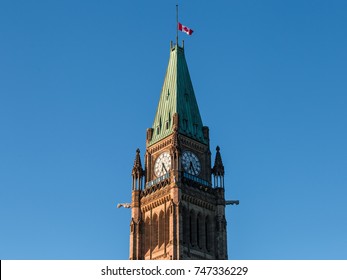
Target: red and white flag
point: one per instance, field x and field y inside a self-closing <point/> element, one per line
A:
<point x="185" y="29"/>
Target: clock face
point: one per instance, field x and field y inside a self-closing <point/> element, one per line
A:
<point x="191" y="163"/>
<point x="162" y="165"/>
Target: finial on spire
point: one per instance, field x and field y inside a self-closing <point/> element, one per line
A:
<point x="137" y="172"/>
<point x="137" y="168"/>
<point x="218" y="170"/>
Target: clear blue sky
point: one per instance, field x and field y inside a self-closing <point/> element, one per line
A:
<point x="79" y="86"/>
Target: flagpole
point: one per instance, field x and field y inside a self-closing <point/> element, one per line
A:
<point x="177" y="25"/>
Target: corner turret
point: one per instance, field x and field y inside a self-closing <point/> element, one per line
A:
<point x="137" y="173"/>
<point x="218" y="170"/>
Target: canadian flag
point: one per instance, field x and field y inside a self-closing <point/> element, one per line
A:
<point x="185" y="29"/>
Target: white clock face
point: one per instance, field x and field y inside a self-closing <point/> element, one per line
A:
<point x="162" y="164"/>
<point x="191" y="163"/>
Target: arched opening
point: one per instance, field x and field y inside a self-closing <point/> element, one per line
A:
<point x="192" y="228"/>
<point x="200" y="228"/>
<point x="161" y="229"/>
<point x="185" y="218"/>
<point x="147" y="234"/>
<point x="167" y="227"/>
<point x="155" y="224"/>
<point x="208" y="239"/>
<point x="198" y="239"/>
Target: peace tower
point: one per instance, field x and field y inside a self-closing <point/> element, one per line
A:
<point x="178" y="203"/>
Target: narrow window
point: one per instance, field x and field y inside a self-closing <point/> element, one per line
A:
<point x="147" y="235"/>
<point x="186" y="230"/>
<point x="193" y="231"/>
<point x="190" y="229"/>
<point x="161" y="229"/>
<point x="198" y="230"/>
<point x="155" y="229"/>
<point x="207" y="234"/>
<point x="167" y="227"/>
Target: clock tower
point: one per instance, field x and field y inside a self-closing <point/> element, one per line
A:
<point x="178" y="203"/>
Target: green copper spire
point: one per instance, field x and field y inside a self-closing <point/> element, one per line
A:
<point x="177" y="97"/>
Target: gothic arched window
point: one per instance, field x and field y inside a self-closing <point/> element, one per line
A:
<point x="185" y="217"/>
<point x="161" y="229"/>
<point x="192" y="228"/>
<point x="147" y="230"/>
<point x="200" y="230"/>
<point x="208" y="241"/>
<point x="167" y="226"/>
<point x="155" y="226"/>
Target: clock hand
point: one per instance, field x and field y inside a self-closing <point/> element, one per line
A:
<point x="163" y="167"/>
<point x="191" y="167"/>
